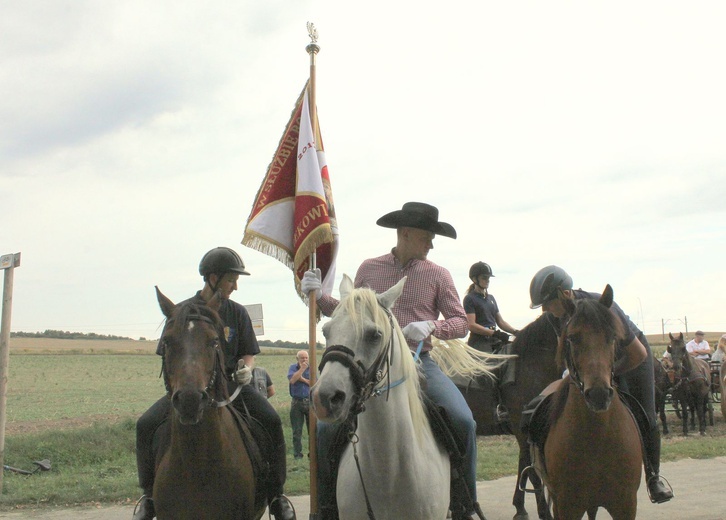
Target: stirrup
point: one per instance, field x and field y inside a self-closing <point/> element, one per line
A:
<point x="522" y="482"/>
<point x="668" y="492"/>
<point x="276" y="505"/>
<point x="149" y="508"/>
<point x="502" y="414"/>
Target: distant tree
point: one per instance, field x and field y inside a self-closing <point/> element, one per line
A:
<point x="60" y="334"/>
<point x="286" y="344"/>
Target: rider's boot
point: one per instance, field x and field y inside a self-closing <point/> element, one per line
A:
<point x="280" y="506"/>
<point x="657" y="489"/>
<point x="144" y="509"/>
<point x="145" y="466"/>
<point x="506" y="377"/>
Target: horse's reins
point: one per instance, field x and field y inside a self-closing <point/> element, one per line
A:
<point x="217" y="367"/>
<point x="365" y="381"/>
<point x="686" y="371"/>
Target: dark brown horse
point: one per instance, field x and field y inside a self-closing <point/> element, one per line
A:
<point x="692" y="383"/>
<point x="663" y="385"/>
<point x="593" y="454"/>
<point x="205" y="472"/>
<point x="536" y="367"/>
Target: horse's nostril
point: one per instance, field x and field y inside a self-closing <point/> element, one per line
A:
<point x="338" y="398"/>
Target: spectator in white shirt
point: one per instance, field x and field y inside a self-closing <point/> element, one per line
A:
<point x="698" y="347"/>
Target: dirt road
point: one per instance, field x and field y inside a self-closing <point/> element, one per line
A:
<point x="698" y="486"/>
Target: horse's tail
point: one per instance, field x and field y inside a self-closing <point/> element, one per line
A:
<point x="455" y="357"/>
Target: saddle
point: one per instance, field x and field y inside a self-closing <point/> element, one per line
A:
<point x="444" y="434"/>
<point x="536" y="421"/>
<point x="256" y="439"/>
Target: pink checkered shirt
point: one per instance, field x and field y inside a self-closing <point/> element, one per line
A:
<point x="429" y="292"/>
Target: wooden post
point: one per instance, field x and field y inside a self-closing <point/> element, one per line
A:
<point x="8" y="263"/>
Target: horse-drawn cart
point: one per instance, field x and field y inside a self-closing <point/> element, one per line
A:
<point x="665" y="379"/>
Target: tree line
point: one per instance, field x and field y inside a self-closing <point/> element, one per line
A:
<point x="64" y="334"/>
<point x="302" y="345"/>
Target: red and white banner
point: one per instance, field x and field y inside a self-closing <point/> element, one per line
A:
<point x="293" y="214"/>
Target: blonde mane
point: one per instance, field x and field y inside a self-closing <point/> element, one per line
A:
<point x="361" y="305"/>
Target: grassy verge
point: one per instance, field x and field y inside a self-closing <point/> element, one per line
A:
<point x="79" y="411"/>
<point x="97" y="464"/>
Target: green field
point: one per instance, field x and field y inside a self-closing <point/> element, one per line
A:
<point x="79" y="410"/>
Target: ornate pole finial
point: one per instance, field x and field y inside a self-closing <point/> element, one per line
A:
<point x="313" y="47"/>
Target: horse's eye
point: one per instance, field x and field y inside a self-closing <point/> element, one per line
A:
<point x="372" y="336"/>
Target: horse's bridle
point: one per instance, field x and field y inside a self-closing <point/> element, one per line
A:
<point x="215" y="372"/>
<point x="574" y="374"/>
<point x="364" y="379"/>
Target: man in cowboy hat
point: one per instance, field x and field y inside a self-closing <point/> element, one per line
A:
<point x="428" y="293"/>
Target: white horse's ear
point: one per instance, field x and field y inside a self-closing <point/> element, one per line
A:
<point x="388" y="298"/>
<point x="346" y="286"/>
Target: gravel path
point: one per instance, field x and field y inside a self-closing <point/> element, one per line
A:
<point x="698" y="486"/>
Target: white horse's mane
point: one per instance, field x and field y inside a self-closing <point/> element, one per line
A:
<point x="362" y="304"/>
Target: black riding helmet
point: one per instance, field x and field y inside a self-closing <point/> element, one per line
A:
<point x="479" y="268"/>
<point x="221" y="260"/>
<point x="543" y="287"/>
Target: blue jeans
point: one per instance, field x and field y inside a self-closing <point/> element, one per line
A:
<point x="443" y="392"/>
<point x="299" y="414"/>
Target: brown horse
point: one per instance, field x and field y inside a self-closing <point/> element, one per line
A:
<point x="593" y="454"/>
<point x="692" y="383"/>
<point x="205" y="472"/>
<point x="535" y="347"/>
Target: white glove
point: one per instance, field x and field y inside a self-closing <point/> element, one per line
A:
<point x="418" y="330"/>
<point x="243" y="375"/>
<point x="311" y="282"/>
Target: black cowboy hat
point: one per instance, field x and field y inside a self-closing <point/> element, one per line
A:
<point x="417" y="215"/>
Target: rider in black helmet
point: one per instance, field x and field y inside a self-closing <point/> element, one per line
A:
<point x="633" y="366"/>
<point x="482" y="313"/>
<point x="221" y="267"/>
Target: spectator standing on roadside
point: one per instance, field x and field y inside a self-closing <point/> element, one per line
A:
<point x="299" y="376"/>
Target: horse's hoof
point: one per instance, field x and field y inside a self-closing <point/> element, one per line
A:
<point x="521" y="516"/>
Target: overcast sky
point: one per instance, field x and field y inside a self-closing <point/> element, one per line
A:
<point x="592" y="135"/>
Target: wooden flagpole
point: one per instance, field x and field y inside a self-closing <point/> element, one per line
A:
<point x="312" y="49"/>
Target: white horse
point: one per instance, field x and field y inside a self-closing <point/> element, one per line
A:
<point x="400" y="471"/>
